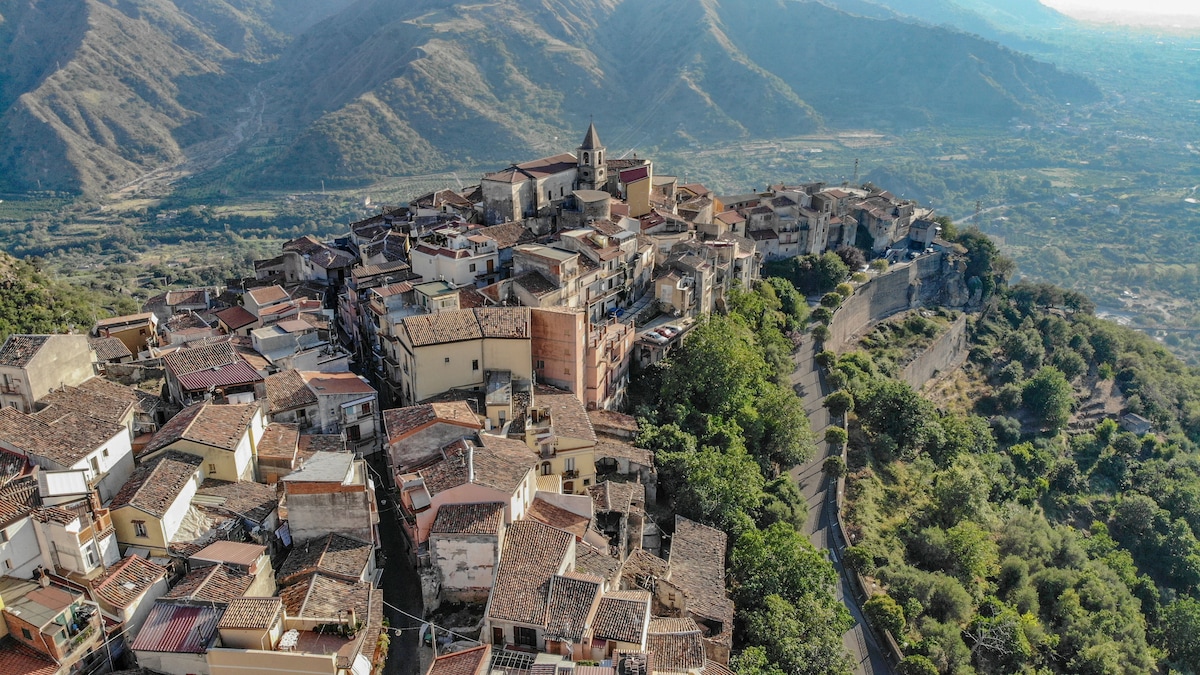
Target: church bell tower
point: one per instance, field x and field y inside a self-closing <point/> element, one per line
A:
<point x="590" y="158"/>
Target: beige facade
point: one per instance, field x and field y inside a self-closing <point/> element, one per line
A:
<point x="31" y="366"/>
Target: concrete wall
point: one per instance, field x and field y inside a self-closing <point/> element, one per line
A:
<point x="902" y="287"/>
<point x="316" y="514"/>
<point x="20" y="554"/>
<point x="467" y="563"/>
<point x="173" y="664"/>
<point x="947" y="352"/>
<point x="557" y="343"/>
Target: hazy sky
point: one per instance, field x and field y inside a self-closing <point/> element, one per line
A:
<point x="1127" y="7"/>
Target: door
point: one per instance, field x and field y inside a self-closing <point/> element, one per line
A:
<point x="497" y="635"/>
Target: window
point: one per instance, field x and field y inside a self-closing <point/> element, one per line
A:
<point x="570" y="463"/>
<point x="89" y="552"/>
<point x="366" y="408"/>
<point x="472" y="268"/>
<point x="26" y="634"/>
<point x="8" y="565"/>
<point x="301" y="413"/>
<point x="354" y="433"/>
<point x="545" y="468"/>
<point x="212" y="468"/>
<point x="587" y="482"/>
<point x="95" y="464"/>
<point x="586" y="158"/>
<point x="475" y="364"/>
<point x="525" y="636"/>
<point x="447" y="359"/>
<point x="139" y="528"/>
<point x="541" y="365"/>
<point x="3" y="536"/>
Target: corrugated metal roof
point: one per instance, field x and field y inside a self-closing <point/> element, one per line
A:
<point x="180" y="629"/>
<point x="236" y="373"/>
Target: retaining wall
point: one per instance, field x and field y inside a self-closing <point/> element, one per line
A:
<point x="946" y="352"/>
<point x="900" y="288"/>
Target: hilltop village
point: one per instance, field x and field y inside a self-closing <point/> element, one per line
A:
<point x="200" y="488"/>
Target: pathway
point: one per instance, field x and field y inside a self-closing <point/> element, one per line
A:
<point x="821" y="526"/>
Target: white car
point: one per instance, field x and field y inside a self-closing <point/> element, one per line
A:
<point x="656" y="338"/>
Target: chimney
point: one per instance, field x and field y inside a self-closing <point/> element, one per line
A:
<point x="470" y="462"/>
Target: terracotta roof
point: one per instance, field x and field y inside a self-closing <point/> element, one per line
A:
<point x="503" y="322"/>
<point x="216" y="583"/>
<point x="218" y="426"/>
<point x="85" y="402"/>
<point x="569" y="604"/>
<point x="533" y="553"/>
<point x="554" y="516"/>
<point x="324" y="597"/>
<point x="191" y="359"/>
<point x="229" y="375"/>
<point x="467" y="662"/>
<point x="12" y="510"/>
<point x="589" y="560"/>
<point x="676" y="644"/>
<point x="144" y="402"/>
<point x="20" y="659"/>
<point x="187" y="296"/>
<point x="128" y="580"/>
<point x="615" y="420"/>
<point x="287" y="390"/>
<point x="469" y="298"/>
<point x="333" y="555"/>
<point x="156" y="484"/>
<point x="242" y="499"/>
<point x="251" y="613"/>
<point x="230" y="552"/>
<point x="236" y="317"/>
<point x="507" y="235"/>
<point x="180" y="629"/>
<point x="310" y="444"/>
<point x="279" y="440"/>
<point x="268" y="295"/>
<point x="447" y="326"/>
<point x="366" y="271"/>
<point x="62" y="436"/>
<point x="567" y="414"/>
<point x="502" y="465"/>
<point x="698" y="566"/>
<point x="336" y="384"/>
<point x="621" y="616"/>
<point x="184" y="321"/>
<point x="483" y="518"/>
<point x="714" y="668"/>
<point x="109" y="349"/>
<point x="19" y="350"/>
<point x="538" y="168"/>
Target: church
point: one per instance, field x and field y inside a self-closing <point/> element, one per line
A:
<point x="534" y="189"/>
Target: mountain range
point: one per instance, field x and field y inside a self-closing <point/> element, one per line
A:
<point x="285" y="93"/>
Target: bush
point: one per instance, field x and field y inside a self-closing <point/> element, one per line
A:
<point x="834" y="467"/>
<point x="879" y="265"/>
<point x="917" y="665"/>
<point x="839" y="403"/>
<point x="836" y="436"/>
<point x="844" y="290"/>
<point x="820" y="333"/>
<point x="832" y="300"/>
<point x="822" y="315"/>
<point x="859" y="277"/>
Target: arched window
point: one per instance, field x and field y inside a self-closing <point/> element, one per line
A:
<point x="599" y="157"/>
<point x="586" y="158"/>
<point x="545" y="468"/>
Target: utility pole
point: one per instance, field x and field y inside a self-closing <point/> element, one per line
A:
<point x="978" y="211"/>
<point x="855" y="182"/>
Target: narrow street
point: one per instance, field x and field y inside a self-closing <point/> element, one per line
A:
<point x="822" y="519"/>
<point x="401" y="587"/>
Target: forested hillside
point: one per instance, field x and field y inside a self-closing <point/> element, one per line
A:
<point x="1014" y="524"/>
<point x="31" y="302"/>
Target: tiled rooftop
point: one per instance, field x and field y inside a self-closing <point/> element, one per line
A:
<point x="236" y="317"/>
<point x="676" y="644"/>
<point x="466" y="662"/>
<point x="533" y="553"/>
<point x="251" y="613"/>
<point x="85" y="402"/>
<point x="569" y="605"/>
<point x="156" y="484"/>
<point x="568" y="416"/>
<point x="19" y="350"/>
<point x="324" y="597"/>
<point x="64" y="437"/>
<point x="589" y="560"/>
<point x="698" y="566"/>
<point x="217" y="583"/>
<point x="554" y="516"/>
<point x="469" y="519"/>
<point x="128" y="580"/>
<point x="619" y="497"/>
<point x="109" y="349"/>
<point x="333" y="555"/>
<point x="243" y="499"/>
<point x="192" y="359"/>
<point x="287" y="390"/>
<point x="279" y="440"/>
<point x="621" y="616"/>
<point x="219" y="426"/>
<point x="400" y="422"/>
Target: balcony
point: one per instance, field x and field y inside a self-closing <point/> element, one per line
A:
<point x="8" y="388"/>
<point x="570" y="473"/>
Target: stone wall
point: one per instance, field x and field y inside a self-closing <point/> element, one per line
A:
<point x="933" y="279"/>
<point x="947" y="352"/>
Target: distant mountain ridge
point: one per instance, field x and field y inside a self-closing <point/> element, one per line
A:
<point x="96" y="92"/>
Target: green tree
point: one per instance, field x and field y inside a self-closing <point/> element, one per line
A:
<point x="836" y="436"/>
<point x="831" y="300"/>
<point x="885" y="613"/>
<point x="1181" y="633"/>
<point x="839" y="403"/>
<point x="834" y="466"/>
<point x="916" y="665"/>
<point x="1049" y="395"/>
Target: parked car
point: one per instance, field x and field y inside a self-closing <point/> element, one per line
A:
<point x="656" y="338"/>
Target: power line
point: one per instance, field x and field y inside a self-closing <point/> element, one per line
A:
<point x="434" y="625"/>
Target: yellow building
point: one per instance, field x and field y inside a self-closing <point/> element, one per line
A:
<point x="226" y="436"/>
<point x="429" y="354"/>
<point x="150" y="508"/>
<point x="558" y="428"/>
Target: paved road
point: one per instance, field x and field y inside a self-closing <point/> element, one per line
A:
<point x="401" y="587"/>
<point x="822" y="520"/>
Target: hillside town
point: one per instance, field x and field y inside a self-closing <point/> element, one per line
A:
<point x="200" y="488"/>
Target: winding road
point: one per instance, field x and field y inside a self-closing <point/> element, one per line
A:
<point x="821" y="526"/>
